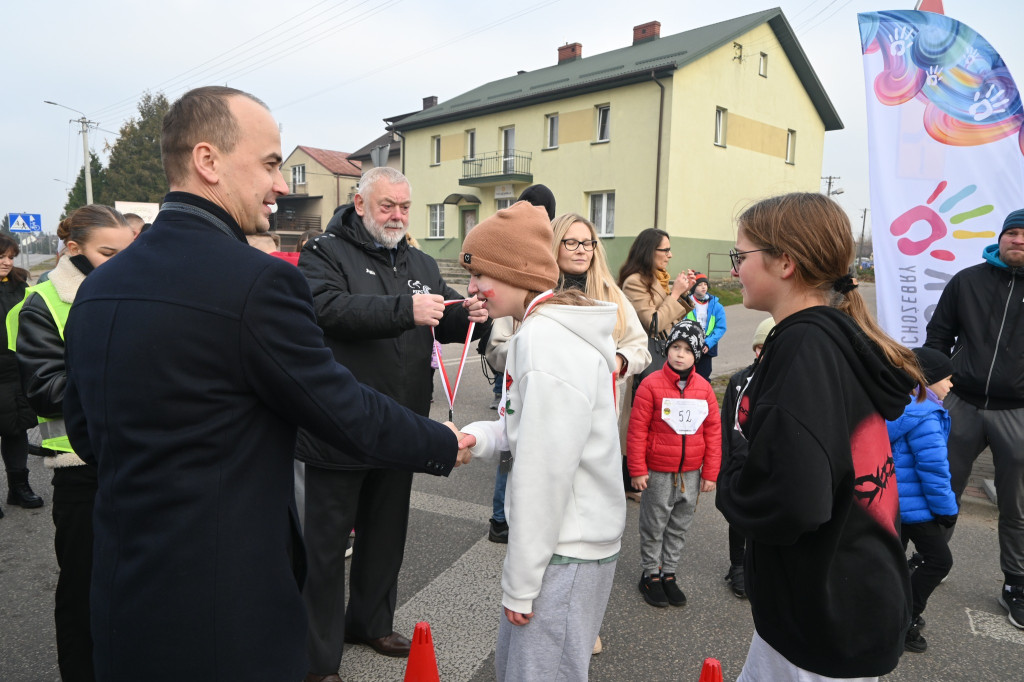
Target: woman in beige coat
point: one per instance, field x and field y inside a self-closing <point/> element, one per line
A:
<point x="644" y="279"/>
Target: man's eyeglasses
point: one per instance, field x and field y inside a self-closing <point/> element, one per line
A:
<point x="575" y="244"/>
<point x="737" y="257"/>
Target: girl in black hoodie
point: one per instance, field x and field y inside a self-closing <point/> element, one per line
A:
<point x="816" y="493"/>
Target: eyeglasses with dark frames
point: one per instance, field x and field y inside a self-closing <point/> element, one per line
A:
<point x="734" y="256"/>
<point x="575" y="244"/>
<point x="665" y="250"/>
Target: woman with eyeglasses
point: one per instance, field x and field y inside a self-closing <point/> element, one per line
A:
<point x="582" y="265"/>
<point x="644" y="279"/>
<point x="815" y="491"/>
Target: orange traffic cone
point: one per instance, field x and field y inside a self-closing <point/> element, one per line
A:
<point x="710" y="672"/>
<point x="422" y="666"/>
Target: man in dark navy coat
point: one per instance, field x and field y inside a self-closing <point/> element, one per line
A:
<point x="191" y="360"/>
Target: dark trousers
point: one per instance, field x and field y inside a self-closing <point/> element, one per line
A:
<point x="972" y="430"/>
<point x="736" y="545"/>
<point x="704" y="366"/>
<point x="14" y="451"/>
<point x="376" y="503"/>
<point x="930" y="542"/>
<point x="74" y="492"/>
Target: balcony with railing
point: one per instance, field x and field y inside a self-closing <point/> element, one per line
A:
<point x="494" y="168"/>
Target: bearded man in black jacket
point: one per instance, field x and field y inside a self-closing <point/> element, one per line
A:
<point x="980" y="320"/>
<point x="380" y="303"/>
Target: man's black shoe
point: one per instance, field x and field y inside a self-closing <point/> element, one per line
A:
<point x="1012" y="599"/>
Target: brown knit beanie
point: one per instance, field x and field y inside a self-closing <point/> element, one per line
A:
<point x="513" y="246"/>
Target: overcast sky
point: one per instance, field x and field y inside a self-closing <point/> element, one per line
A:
<point x="331" y="70"/>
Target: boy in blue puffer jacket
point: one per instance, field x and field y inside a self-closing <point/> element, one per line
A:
<point x="927" y="503"/>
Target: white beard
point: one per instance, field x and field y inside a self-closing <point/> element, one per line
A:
<point x="379" y="232"/>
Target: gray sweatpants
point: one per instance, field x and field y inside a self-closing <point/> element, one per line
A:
<point x="557" y="642"/>
<point x="973" y="429"/>
<point x="666" y="513"/>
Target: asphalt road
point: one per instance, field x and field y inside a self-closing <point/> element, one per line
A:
<point x="451" y="579"/>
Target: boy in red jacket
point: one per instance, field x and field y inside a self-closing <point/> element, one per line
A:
<point x="673" y="450"/>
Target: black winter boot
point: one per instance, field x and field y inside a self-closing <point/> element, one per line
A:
<point x="19" y="492"/>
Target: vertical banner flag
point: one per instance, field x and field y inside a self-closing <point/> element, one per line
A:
<point x="946" y="153"/>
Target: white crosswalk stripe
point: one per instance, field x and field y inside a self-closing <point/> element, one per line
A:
<point x="993" y="626"/>
<point x="461" y="605"/>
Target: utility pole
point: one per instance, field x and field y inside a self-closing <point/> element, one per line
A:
<point x="828" y="179"/>
<point x="863" y="223"/>
<point x="85" y="122"/>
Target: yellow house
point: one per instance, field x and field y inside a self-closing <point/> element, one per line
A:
<point x="678" y="132"/>
<point x="319" y="180"/>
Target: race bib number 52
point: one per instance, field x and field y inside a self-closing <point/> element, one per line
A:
<point x="684" y="415"/>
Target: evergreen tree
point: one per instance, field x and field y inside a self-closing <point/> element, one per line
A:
<point x="135" y="172"/>
<point x="76" y="197"/>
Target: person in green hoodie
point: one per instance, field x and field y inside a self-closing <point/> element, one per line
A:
<point x="815" y="493"/>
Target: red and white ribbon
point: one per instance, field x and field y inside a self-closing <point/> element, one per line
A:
<point x="451" y="390"/>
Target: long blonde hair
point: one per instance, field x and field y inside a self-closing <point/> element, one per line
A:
<point x="815" y="232"/>
<point x="600" y="283"/>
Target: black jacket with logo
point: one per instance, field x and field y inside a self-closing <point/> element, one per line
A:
<point x="981" y="313"/>
<point x="815" y="496"/>
<point x="363" y="303"/>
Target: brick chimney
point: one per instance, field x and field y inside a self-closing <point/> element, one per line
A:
<point x="645" y="32"/>
<point x="569" y="52"/>
<point x="430" y="101"/>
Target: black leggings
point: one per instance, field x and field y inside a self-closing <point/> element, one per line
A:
<point x="14" y="450"/>
<point x="930" y="542"/>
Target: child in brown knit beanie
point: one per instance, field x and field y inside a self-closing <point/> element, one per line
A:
<point x="564" y="502"/>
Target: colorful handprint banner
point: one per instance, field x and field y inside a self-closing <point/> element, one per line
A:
<point x="946" y="155"/>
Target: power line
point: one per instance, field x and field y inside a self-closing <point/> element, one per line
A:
<point x="434" y="48"/>
<point x="119" y="104"/>
<point x="220" y="67"/>
<point x="299" y="42"/>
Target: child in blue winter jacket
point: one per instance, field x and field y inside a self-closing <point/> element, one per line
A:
<point x="927" y="503"/>
<point x="708" y="311"/>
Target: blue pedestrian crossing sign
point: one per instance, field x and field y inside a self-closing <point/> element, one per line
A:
<point x="25" y="222"/>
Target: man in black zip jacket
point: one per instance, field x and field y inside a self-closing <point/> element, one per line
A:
<point x="980" y="316"/>
<point x="378" y="301"/>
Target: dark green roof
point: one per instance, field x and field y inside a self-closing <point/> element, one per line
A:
<point x="622" y="67"/>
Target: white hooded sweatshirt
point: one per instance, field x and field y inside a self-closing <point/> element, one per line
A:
<point x="558" y="419"/>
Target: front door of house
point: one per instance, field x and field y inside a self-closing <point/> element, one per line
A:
<point x="469" y="218"/>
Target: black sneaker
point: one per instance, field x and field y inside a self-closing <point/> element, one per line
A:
<point x="735" y="579"/>
<point x="914" y="562"/>
<point x="674" y="595"/>
<point x="498" y="532"/>
<point x="915" y="642"/>
<point x="651" y="588"/>
<point x="918" y="622"/>
<point x="1011" y="598"/>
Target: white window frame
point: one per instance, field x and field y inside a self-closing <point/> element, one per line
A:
<point x="435" y="150"/>
<point x="500" y="204"/>
<point x="604" y="114"/>
<point x="721" y="126"/>
<point x="551" y="131"/>
<point x="299" y="174"/>
<point x="762" y="66"/>
<point x="508" y="152"/>
<point x="435" y="218"/>
<point x="471" y="144"/>
<point x="603" y="219"/>
<point x="791" y="147"/>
